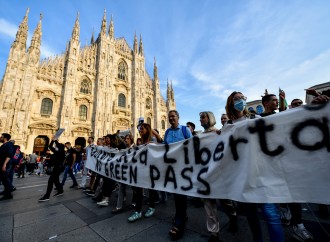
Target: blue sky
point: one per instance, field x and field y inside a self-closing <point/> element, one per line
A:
<point x="207" y="48"/>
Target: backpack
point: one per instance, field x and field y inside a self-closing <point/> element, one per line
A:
<point x="17" y="157"/>
<point x="183" y="130"/>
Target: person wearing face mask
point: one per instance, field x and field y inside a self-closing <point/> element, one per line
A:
<point x="236" y="108"/>
<point x="208" y="122"/>
<point x="237" y="112"/>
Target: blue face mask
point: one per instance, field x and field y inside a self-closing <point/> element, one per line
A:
<point x="240" y="105"/>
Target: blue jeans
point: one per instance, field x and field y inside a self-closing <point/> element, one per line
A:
<point x="11" y="176"/>
<point x="6" y="181"/>
<point x="272" y="218"/>
<point x="65" y="175"/>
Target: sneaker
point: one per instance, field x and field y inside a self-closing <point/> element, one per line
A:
<point x="104" y="202"/>
<point x="58" y="194"/>
<point x="135" y="216"/>
<point x="117" y="210"/>
<point x="44" y="199"/>
<point x="302" y="234"/>
<point x="132" y="206"/>
<point x="74" y="186"/>
<point x="285" y="215"/>
<point x="149" y="212"/>
<point x="91" y="193"/>
<point x="6" y="197"/>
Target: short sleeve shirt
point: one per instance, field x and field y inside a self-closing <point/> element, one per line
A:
<point x="176" y="134"/>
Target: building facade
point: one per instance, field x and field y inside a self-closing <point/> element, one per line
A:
<point x="255" y="106"/>
<point x="319" y="88"/>
<point x="89" y="91"/>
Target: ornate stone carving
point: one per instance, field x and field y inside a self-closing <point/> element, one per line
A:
<point x="47" y="93"/>
<point x="58" y="77"/>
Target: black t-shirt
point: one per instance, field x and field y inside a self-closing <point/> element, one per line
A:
<point x="69" y="156"/>
<point x="267" y="114"/>
<point x="6" y="150"/>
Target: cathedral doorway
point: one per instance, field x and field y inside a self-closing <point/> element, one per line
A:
<point x="40" y="145"/>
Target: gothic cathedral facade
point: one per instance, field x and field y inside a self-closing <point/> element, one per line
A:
<point x="89" y="91"/>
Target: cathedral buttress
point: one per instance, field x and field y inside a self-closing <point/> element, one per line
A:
<point x="71" y="80"/>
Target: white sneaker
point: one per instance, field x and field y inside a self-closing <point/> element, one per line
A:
<point x="104" y="202"/>
<point x="302" y="234"/>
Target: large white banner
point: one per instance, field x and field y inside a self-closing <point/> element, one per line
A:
<point x="280" y="158"/>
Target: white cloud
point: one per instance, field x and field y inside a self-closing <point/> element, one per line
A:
<point x="8" y="29"/>
<point x="47" y="51"/>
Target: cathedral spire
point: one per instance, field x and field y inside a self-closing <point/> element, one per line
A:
<point x="36" y="38"/>
<point x="172" y="91"/>
<point x="22" y="32"/>
<point x="92" y="39"/>
<point x="111" y="31"/>
<point x="135" y="45"/>
<point x="141" y="46"/>
<point x="155" y="70"/>
<point x="104" y="23"/>
<point x="168" y="93"/>
<point x="76" y="29"/>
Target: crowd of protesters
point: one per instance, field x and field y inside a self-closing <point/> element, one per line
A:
<point x="65" y="158"/>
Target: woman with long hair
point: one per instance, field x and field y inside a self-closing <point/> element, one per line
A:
<point x="146" y="134"/>
<point x="237" y="112"/>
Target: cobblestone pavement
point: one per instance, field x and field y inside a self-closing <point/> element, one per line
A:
<point x="75" y="217"/>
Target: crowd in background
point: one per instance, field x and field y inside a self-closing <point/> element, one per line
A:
<point x="72" y="160"/>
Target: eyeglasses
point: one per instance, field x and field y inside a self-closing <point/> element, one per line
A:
<point x="202" y="116"/>
<point x="239" y="98"/>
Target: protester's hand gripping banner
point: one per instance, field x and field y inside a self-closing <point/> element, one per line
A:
<point x="277" y="159"/>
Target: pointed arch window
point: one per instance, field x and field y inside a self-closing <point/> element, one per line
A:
<point x="82" y="112"/>
<point x="46" y="106"/>
<point x="163" y="124"/>
<point x="149" y="121"/>
<point x="121" y="100"/>
<point x="85" y="87"/>
<point x="122" y="71"/>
